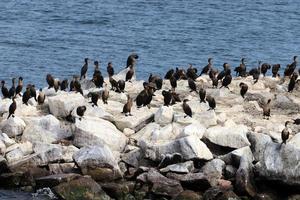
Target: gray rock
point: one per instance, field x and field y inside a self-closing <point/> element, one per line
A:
<point x="233" y="136"/>
<point x="182" y="168"/>
<point x="95" y="131"/>
<point x="164" y="115"/>
<point x="279" y="163"/>
<point x="161" y="185"/>
<point x="214" y="170"/>
<point x="61" y="105"/>
<point x="98" y="162"/>
<point x="189" y="147"/>
<point x="13" y="126"/>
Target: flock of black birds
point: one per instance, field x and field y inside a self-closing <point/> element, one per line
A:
<point x="154" y="83"/>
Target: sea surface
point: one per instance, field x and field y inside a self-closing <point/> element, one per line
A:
<point x="43" y="36"/>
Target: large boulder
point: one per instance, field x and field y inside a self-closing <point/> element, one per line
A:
<point x="81" y="188"/>
<point x="228" y="136"/>
<point x="98" y="162"/>
<point x="45" y="129"/>
<point x="189" y="147"/>
<point x="155" y="134"/>
<point x="18" y="151"/>
<point x="61" y="105"/>
<point x="161" y="185"/>
<point x="13" y="126"/>
<point x="195" y="129"/>
<point x="279" y="162"/>
<point x="214" y="171"/>
<point x="164" y="115"/>
<point x="96" y="131"/>
<point x="52" y="152"/>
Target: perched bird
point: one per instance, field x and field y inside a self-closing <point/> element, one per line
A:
<point x="202" y="94"/>
<point x="173" y="82"/>
<point x="98" y="80"/>
<point x="12" y="108"/>
<point x="289" y="70"/>
<point x="285" y="133"/>
<point x="64" y="85"/>
<point x="50" y="81"/>
<point x="110" y="69"/>
<point x="20" y="86"/>
<point x="222" y="74"/>
<point x="80" y="111"/>
<point x="207" y="68"/>
<point x="41" y="97"/>
<point x="241" y="69"/>
<point x="192" y="85"/>
<point x="129" y="74"/>
<point x="186" y="108"/>
<point x="292" y="82"/>
<point x="244" y="89"/>
<point x="96" y="69"/>
<point x="211" y="102"/>
<point x="296" y="121"/>
<point x="169" y="74"/>
<point x="191" y="72"/>
<point x="255" y="72"/>
<point x="72" y="83"/>
<point x="33" y="92"/>
<point x="167" y="97"/>
<point x="56" y="85"/>
<point x="77" y="87"/>
<point x="275" y="69"/>
<point x="84" y="69"/>
<point x="175" y="97"/>
<point x="94" y="98"/>
<point x="121" y="86"/>
<point x="156" y="80"/>
<point x="12" y="90"/>
<point x="140" y="99"/>
<point x="227" y="79"/>
<point x="131" y="60"/>
<point x="113" y="83"/>
<point x="26" y="95"/>
<point x="127" y="107"/>
<point x="105" y="95"/>
<point x="4" y="90"/>
<point x="264" y="68"/>
<point x="267" y="109"/>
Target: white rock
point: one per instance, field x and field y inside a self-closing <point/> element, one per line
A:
<point x="295" y="141"/>
<point x="164" y="115"/>
<point x="92" y="158"/>
<point x="14" y="155"/>
<point x="234" y="136"/>
<point x="36" y="134"/>
<point x="195" y="129"/>
<point x="18" y="151"/>
<point x="153" y="133"/>
<point x="96" y="131"/>
<point x="62" y="105"/>
<point x="189" y="147"/>
<point x="4" y="105"/>
<point x="6" y="140"/>
<point x="128" y="132"/>
<point x="47" y="129"/>
<point x="55" y="151"/>
<point x="13" y="126"/>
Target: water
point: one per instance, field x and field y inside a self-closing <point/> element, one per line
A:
<point x="41" y="36"/>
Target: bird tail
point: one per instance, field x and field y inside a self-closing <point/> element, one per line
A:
<point x="8" y="116"/>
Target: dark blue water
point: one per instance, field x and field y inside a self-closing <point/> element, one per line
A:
<point x="41" y="36"/>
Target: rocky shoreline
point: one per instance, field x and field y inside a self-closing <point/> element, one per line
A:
<point x="158" y="153"/>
